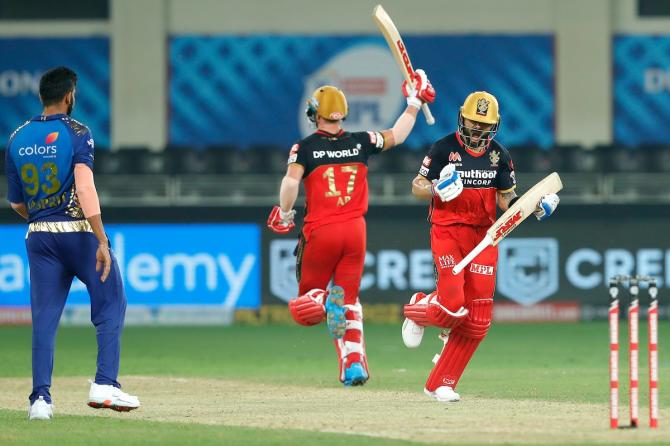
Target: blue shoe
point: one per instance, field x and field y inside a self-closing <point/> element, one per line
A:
<point x="355" y="375"/>
<point x="335" y="318"/>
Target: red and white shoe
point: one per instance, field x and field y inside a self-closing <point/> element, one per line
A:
<point x="443" y="394"/>
<point x="109" y="397"/>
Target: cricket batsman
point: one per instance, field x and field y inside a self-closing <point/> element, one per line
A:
<point x="49" y="167"/>
<point x="465" y="176"/>
<point x="332" y="163"/>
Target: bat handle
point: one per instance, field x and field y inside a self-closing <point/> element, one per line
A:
<point x="429" y="116"/>
<point x="485" y="243"/>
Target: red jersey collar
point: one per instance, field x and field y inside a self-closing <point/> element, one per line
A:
<point x="470" y="151"/>
<point x="330" y="135"/>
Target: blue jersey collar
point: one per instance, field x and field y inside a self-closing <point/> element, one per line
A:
<point x="48" y="117"/>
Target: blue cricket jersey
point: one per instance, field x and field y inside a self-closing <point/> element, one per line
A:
<point x="40" y="161"/>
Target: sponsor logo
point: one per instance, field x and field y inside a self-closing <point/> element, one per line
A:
<point x="37" y="150"/>
<point x="447" y="381"/>
<point x="446" y="261"/>
<point x="405" y="56"/>
<point x="478" y="174"/>
<point x="512" y="175"/>
<point x="482" y="107"/>
<point x="424" y="171"/>
<point x="485" y="270"/>
<point x="293" y="154"/>
<point x="494" y="156"/>
<point x="455" y="157"/>
<point x="528" y="269"/>
<point x="508" y="225"/>
<point x="19" y="83"/>
<point x="336" y="153"/>
<point x="51" y="137"/>
<point x="91" y="143"/>
<point x="426" y="161"/>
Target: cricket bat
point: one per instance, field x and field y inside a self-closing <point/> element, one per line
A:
<point x="397" y="46"/>
<point x="518" y="212"/>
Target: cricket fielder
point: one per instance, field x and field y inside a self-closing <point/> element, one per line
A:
<point x="332" y="163"/>
<point x="50" y="174"/>
<point x="465" y="176"/>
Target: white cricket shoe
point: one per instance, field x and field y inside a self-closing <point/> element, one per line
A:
<point x="40" y="410"/>
<point x="443" y="394"/>
<point x="110" y="397"/>
<point x="412" y="333"/>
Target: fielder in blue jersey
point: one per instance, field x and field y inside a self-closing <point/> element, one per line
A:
<point x="50" y="174"/>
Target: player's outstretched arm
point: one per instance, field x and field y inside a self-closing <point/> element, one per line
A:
<point x="282" y="216"/>
<point x="90" y="205"/>
<point x="419" y="92"/>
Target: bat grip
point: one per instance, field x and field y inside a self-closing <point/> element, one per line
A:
<point x="429" y="116"/>
<point x="485" y="243"/>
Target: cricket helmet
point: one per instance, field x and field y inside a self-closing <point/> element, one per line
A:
<point x="482" y="107"/>
<point x="328" y="102"/>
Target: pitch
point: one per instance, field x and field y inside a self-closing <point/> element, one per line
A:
<point x="277" y="384"/>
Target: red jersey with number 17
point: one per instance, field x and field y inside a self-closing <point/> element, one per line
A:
<point x="335" y="177"/>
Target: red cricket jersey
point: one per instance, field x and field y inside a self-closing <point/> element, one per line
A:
<point x="483" y="174"/>
<point x="335" y="178"/>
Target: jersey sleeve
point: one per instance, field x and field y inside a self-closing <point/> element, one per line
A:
<point x="15" y="189"/>
<point x="371" y="142"/>
<point x="83" y="149"/>
<point x="506" y="178"/>
<point x="432" y="163"/>
<point x="297" y="156"/>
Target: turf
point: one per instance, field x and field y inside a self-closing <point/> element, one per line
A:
<point x="564" y="363"/>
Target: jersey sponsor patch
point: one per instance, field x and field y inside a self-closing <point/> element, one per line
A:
<point x="293" y="154"/>
<point x="485" y="270"/>
<point x="423" y="171"/>
<point x="377" y="139"/>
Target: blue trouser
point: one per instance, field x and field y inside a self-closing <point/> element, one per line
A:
<point x="55" y="259"/>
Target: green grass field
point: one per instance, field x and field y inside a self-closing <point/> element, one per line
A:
<point x="277" y="384"/>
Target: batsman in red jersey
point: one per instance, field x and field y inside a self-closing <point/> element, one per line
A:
<point x="332" y="163"/>
<point x="466" y="176"/>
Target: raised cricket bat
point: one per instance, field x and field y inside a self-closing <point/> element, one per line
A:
<point x="398" y="50"/>
<point x="518" y="212"/>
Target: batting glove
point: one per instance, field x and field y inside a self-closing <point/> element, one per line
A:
<point x="419" y="91"/>
<point x="450" y="185"/>
<point x="281" y="222"/>
<point x="546" y="206"/>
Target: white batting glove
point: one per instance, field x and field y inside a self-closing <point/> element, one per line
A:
<point x="449" y="186"/>
<point x="546" y="206"/>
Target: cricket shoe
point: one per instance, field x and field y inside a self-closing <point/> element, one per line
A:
<point x="355" y="375"/>
<point x="109" y="397"/>
<point x="40" y="410"/>
<point x="443" y="394"/>
<point x="335" y="312"/>
<point x="412" y="333"/>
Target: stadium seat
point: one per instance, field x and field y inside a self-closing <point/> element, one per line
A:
<point x="624" y="159"/>
<point x="107" y="162"/>
<point x="576" y="158"/>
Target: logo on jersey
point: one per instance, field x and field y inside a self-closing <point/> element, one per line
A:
<point x="494" y="157"/>
<point x="482" y="107"/>
<point x="51" y="137"/>
<point x="481" y="269"/>
<point x="377" y="139"/>
<point x="47" y="150"/>
<point x="90" y="143"/>
<point x="446" y="261"/>
<point x="455" y="157"/>
<point x="293" y="155"/>
<point x="338" y="153"/>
